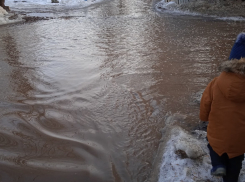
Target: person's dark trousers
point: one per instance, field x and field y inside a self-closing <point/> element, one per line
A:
<point x="233" y="166"/>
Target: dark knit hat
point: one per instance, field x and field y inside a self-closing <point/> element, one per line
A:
<point x="238" y="49"/>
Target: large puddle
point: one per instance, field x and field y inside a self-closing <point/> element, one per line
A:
<point x="84" y="98"/>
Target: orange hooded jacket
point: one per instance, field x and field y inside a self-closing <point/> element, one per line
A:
<point x="223" y="105"/>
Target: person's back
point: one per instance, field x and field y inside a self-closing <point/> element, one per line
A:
<point x="223" y="105"/>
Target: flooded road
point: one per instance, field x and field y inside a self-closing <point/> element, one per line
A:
<point x="84" y="95"/>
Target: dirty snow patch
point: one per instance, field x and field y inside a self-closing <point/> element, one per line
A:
<point x="6" y="18"/>
<point x="186" y="158"/>
<point x="2" y="11"/>
<point x="194" y="167"/>
<point x="48" y="3"/>
<point x="172" y="7"/>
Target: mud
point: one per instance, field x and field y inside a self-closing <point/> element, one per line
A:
<point x="31" y="19"/>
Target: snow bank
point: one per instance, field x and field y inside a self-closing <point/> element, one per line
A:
<point x="186" y="158"/>
<point x="40" y="8"/>
<point x="6" y="18"/>
<point x="223" y="11"/>
<point x="173" y="8"/>
<point x="166" y="5"/>
<point x="3" y="12"/>
<point x="183" y="156"/>
<point x="79" y="2"/>
<point x="40" y="3"/>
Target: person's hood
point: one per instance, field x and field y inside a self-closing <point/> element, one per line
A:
<point x="231" y="81"/>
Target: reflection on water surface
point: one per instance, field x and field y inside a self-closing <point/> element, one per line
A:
<point x="83" y="99"/>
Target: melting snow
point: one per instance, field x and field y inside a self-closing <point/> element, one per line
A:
<point x="185" y="156"/>
<point x="5" y="17"/>
<point x="47" y="3"/>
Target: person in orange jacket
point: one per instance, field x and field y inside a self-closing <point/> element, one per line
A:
<point x="223" y="105"/>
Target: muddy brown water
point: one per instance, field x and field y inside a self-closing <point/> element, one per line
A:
<point x="83" y="98"/>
